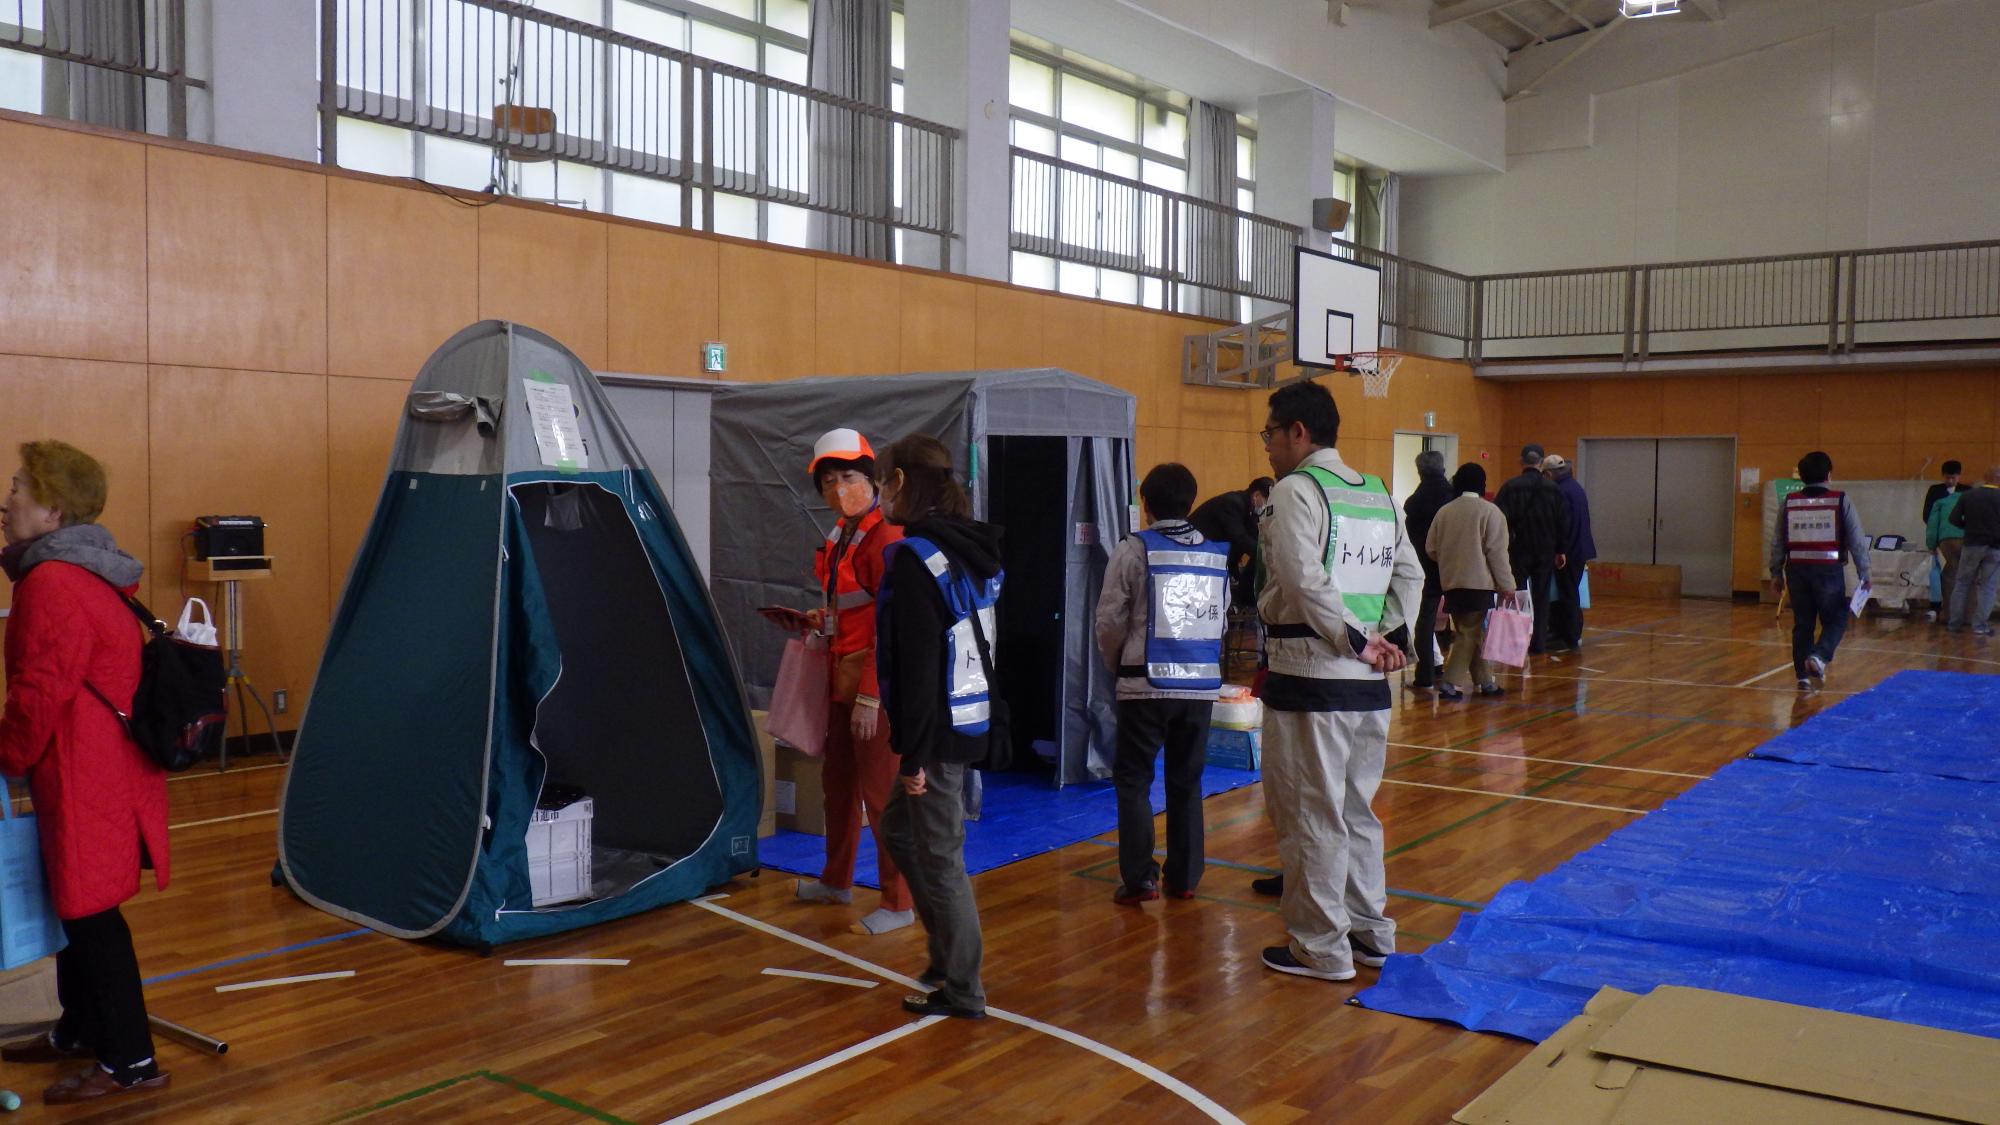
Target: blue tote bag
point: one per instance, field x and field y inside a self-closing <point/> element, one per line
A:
<point x="29" y="928"/>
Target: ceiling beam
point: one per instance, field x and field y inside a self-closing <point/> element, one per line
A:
<point x="1468" y="9"/>
<point x="1584" y="44"/>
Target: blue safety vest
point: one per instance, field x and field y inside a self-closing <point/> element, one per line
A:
<point x="968" y="687"/>
<point x="1187" y="598"/>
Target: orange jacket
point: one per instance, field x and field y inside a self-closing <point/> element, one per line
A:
<point x="848" y="566"/>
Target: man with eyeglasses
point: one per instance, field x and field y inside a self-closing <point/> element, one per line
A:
<point x="1338" y="583"/>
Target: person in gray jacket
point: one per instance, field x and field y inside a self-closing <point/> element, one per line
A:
<point x="1167" y="680"/>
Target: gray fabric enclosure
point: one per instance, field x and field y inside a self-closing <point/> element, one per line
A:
<point x="1045" y="449"/>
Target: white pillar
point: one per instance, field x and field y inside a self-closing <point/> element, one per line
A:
<point x="263" y="60"/>
<point x="955" y="73"/>
<point x="1295" y="157"/>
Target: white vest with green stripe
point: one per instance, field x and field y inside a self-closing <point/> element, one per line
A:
<point x="1360" y="543"/>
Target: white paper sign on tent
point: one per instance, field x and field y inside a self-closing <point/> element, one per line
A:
<point x="552" y="413"/>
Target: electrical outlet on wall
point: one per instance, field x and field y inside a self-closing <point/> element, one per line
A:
<point x="281" y="701"/>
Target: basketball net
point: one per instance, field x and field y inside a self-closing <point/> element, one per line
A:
<point x="1375" y="369"/>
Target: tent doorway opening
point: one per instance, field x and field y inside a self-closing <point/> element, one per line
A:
<point x="1027" y="485"/>
<point x="620" y="725"/>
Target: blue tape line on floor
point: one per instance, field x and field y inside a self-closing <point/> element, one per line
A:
<point x="223" y="964"/>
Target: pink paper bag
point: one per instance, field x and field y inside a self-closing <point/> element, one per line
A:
<point x="1507" y="634"/>
<point x="798" y="713"/>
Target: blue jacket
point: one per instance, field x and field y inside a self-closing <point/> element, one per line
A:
<point x="1582" y="548"/>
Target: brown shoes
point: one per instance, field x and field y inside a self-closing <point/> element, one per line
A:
<point x="94" y="1083"/>
<point x="40" y="1049"/>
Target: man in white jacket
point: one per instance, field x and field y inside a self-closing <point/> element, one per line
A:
<point x="1339" y="584"/>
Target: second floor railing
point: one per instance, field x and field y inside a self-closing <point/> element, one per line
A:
<point x="536" y="86"/>
<point x="119" y="63"/>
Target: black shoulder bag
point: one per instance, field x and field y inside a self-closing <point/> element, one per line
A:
<point x="181" y="710"/>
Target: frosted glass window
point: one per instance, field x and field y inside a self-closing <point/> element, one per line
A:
<point x="1099" y="108"/>
<point x="641" y="197"/>
<point x="368" y="147"/>
<point x="1165" y="176"/>
<point x="1078" y="151"/>
<point x="563" y="183"/>
<point x="736" y="215"/>
<point x="782" y="62"/>
<point x="788" y="226"/>
<point x="457" y="163"/>
<point x="1034" y="138"/>
<point x="1075" y="280"/>
<point x="1169" y="136"/>
<point x="896" y="96"/>
<point x="1246" y="157"/>
<point x="20" y="81"/>
<point x="1246" y="200"/>
<point x="745" y="8"/>
<point x="583" y="11"/>
<point x="1151" y="293"/>
<point x="788" y="15"/>
<point x="651" y="24"/>
<point x="1121" y="164"/>
<point x="1031" y="85"/>
<point x="1115" y="285"/>
<point x="1035" y="271"/>
<point x="723" y="46"/>
<point x="898" y="40"/>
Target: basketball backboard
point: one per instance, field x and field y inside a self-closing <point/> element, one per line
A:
<point x="1336" y="309"/>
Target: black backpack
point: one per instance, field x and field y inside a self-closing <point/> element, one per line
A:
<point x="181" y="711"/>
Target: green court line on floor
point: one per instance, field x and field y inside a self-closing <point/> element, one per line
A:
<point x="497" y="1078"/>
<point x="1509" y="798"/>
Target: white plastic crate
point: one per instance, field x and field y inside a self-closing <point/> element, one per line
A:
<point x="559" y="853"/>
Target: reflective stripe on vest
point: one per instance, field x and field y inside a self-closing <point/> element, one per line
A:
<point x="1361" y="541"/>
<point x="1812" y="529"/>
<point x="967" y="688"/>
<point x="1187" y="591"/>
<point x="847" y="593"/>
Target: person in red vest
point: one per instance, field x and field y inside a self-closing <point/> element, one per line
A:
<point x="1817" y="533"/>
<point x="860" y="768"/>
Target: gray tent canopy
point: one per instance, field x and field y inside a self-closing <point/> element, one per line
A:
<point x="1046" y="453"/>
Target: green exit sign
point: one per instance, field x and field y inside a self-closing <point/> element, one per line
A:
<point x="714" y="356"/>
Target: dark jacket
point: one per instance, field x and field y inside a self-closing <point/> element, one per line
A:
<point x="1227" y="518"/>
<point x="1537" y="522"/>
<point x="1432" y="493"/>
<point x="1978" y="512"/>
<point x="910" y="624"/>
<point x="1582" y="548"/>
<point x="1938" y="492"/>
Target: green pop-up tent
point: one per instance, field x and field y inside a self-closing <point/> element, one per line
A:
<point x="523" y="619"/>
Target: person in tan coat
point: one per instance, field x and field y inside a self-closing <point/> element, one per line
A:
<point x="1468" y="538"/>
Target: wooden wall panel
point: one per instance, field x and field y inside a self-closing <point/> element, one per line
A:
<point x="1776" y="409"/>
<point x="236" y="263"/>
<point x="101" y="409"/>
<point x="1950" y="406"/>
<point x="1861" y="407"/>
<point x="859" y="323"/>
<point x="664" y="301"/>
<point x="769" y="310"/>
<point x="1008" y="331"/>
<point x="362" y="416"/>
<point x="548" y="270"/>
<point x="1124" y="360"/>
<point x="402" y="276"/>
<point x="940" y="321"/>
<point x="250" y="443"/>
<point x="1699" y="406"/>
<point x="73" y="265"/>
<point x="1624" y="406"/>
<point x="1070" y="338"/>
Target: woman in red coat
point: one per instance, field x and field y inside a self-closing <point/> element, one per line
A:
<point x="100" y="803"/>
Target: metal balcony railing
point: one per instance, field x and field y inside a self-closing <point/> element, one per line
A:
<point x="124" y="61"/>
<point x="537" y="86"/>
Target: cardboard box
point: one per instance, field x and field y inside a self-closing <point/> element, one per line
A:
<point x="1235" y="749"/>
<point x="767" y="765"/>
<point x="1686" y="1054"/>
<point x="28" y="999"/>
<point x="799" y="795"/>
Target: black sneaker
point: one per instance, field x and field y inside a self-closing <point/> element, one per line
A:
<point x="1274" y="886"/>
<point x="1279" y="958"/>
<point x="1365" y="954"/>
<point x="932" y="1004"/>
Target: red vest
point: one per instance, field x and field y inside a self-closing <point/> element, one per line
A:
<point x="849" y="598"/>
<point x="1813" y="529"/>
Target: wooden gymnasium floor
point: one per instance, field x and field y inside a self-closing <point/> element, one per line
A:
<point x="1478" y="794"/>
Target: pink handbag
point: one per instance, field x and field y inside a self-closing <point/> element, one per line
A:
<point x="1507" y="634"/>
<point x="798" y="713"/>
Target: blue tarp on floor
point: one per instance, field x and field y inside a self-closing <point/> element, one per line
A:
<point x="1873" y="890"/>
<point x="1022" y="816"/>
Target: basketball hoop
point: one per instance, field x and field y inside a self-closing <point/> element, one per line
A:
<point x="1375" y="369"/>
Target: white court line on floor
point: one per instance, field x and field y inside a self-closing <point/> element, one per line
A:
<point x="1657" y="682"/>
<point x="222" y="819"/>
<point x="568" y="961"/>
<point x="1931" y="655"/>
<point x="1192" y="1096"/>
<point x="192" y="775"/>
<point x="1584" y="668"/>
<point x="1551" y="761"/>
<point x="1511" y="796"/>
<point x="827" y="977"/>
<point x="807" y="1071"/>
<point x="1786" y="666"/>
<point x="275" y="981"/>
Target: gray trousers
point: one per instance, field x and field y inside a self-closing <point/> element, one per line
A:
<point x="1321" y="770"/>
<point x="1971" y="596"/>
<point x="926" y="837"/>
